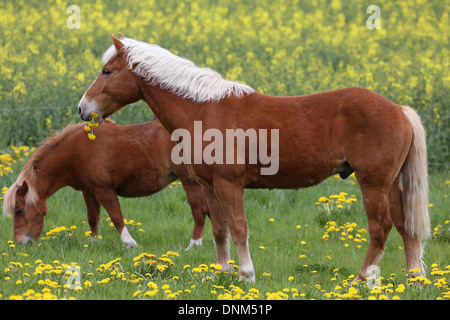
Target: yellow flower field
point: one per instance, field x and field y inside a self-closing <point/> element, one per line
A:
<point x="278" y="47"/>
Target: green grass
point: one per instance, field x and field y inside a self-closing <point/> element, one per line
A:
<point x="276" y="244"/>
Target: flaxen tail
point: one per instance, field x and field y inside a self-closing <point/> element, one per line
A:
<point x="415" y="181"/>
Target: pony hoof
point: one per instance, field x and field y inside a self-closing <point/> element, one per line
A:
<point x="249" y="279"/>
<point x="130" y="244"/>
<point x="247" y="276"/>
<point x="127" y="240"/>
<point x="356" y="283"/>
<point x="95" y="238"/>
<point x="193" y="243"/>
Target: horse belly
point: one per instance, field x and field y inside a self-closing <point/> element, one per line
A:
<point x="143" y="184"/>
<point x="291" y="177"/>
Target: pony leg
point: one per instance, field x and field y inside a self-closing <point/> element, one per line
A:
<point x="231" y="199"/>
<point x="412" y="245"/>
<point x="379" y="221"/>
<point x="108" y="199"/>
<point x="199" y="208"/>
<point x="220" y="230"/>
<point x="93" y="212"/>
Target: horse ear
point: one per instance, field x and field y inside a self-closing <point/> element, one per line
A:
<point x="23" y="189"/>
<point x="117" y="43"/>
<point x="121" y="35"/>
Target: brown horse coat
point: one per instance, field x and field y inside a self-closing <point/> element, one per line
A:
<point x="127" y="161"/>
<point x="340" y="131"/>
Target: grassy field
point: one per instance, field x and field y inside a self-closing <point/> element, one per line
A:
<point x="302" y="248"/>
<point x="278" y="48"/>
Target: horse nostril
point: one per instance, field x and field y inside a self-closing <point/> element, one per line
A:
<point x="79" y="110"/>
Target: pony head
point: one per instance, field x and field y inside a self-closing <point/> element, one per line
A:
<point x="131" y="65"/>
<point x="114" y="87"/>
<point x="22" y="202"/>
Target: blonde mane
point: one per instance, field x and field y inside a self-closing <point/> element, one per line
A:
<point x="28" y="172"/>
<point x="31" y="198"/>
<point x="160" y="67"/>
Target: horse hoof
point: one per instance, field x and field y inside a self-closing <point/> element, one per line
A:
<point x="130" y="244"/>
<point x="249" y="279"/>
<point x="193" y="243"/>
<point x="127" y="239"/>
<point x="247" y="276"/>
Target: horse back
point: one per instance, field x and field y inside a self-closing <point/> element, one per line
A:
<point x="318" y="133"/>
<point x="131" y="159"/>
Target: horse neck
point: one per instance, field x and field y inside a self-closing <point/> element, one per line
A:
<point x="170" y="109"/>
<point x="49" y="176"/>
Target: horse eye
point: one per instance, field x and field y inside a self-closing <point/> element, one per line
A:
<point x="106" y="72"/>
<point x="20" y="211"/>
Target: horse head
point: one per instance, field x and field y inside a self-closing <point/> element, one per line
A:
<point x="28" y="211"/>
<point x="115" y="86"/>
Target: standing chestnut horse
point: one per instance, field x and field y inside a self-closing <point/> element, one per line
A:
<point x="128" y="161"/>
<point x="321" y="134"/>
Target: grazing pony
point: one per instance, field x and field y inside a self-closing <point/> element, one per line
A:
<point x="341" y="131"/>
<point x="127" y="161"/>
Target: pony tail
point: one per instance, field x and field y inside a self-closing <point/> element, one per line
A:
<point x="415" y="181"/>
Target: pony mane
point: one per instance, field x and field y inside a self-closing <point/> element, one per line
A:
<point x="160" y="67"/>
<point x="29" y="170"/>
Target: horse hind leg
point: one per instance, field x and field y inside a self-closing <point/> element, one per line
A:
<point x="376" y="205"/>
<point x="199" y="221"/>
<point x="412" y="245"/>
<point x="199" y="208"/>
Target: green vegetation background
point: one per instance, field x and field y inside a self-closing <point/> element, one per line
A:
<point x="277" y="47"/>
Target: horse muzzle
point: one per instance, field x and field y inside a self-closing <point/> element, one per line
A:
<point x="85" y="109"/>
<point x="24" y="239"/>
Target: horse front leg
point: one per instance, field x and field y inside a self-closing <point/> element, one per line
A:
<point x="93" y="212"/>
<point x="108" y="199"/>
<point x="230" y="195"/>
<point x="220" y="229"/>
